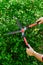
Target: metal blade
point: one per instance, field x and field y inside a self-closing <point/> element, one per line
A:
<point x="18" y="23"/>
<point x="13" y="32"/>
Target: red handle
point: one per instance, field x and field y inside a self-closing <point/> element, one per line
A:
<point x="32" y="25"/>
<point x="25" y="41"/>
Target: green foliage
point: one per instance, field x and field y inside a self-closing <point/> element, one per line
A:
<point x="12" y="47"/>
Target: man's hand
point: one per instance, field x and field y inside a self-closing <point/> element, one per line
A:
<point x="40" y="20"/>
<point x="30" y="51"/>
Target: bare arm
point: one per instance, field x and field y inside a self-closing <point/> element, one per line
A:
<point x="31" y="52"/>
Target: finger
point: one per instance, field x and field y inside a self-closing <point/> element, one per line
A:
<point x="40" y="20"/>
<point x="27" y="50"/>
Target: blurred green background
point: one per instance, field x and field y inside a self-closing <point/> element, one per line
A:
<point x="12" y="47"/>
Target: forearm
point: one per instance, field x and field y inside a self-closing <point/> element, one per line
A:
<point x="38" y="56"/>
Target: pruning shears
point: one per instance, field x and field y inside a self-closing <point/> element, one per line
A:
<point x="22" y="30"/>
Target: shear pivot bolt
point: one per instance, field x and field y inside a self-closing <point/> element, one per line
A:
<point x="22" y="30"/>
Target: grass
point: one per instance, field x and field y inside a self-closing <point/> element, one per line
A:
<point x="12" y="47"/>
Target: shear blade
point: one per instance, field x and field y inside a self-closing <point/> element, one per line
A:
<point x="13" y="32"/>
<point x="18" y="23"/>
